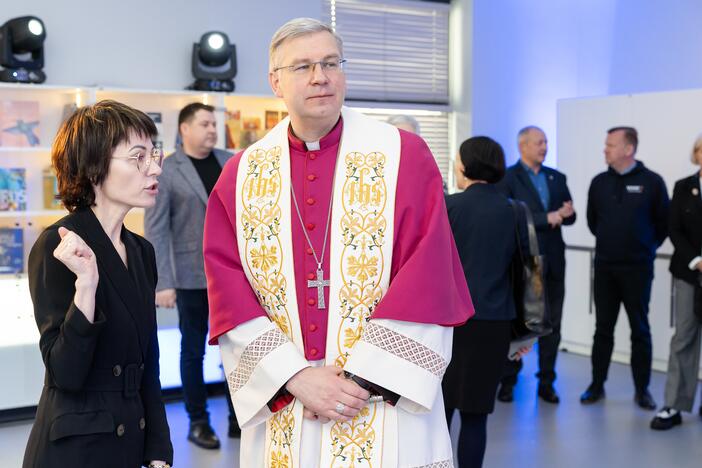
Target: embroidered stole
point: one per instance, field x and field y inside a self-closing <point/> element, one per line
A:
<point x="361" y="256"/>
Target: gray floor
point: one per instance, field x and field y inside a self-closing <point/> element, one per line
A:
<point x="524" y="434"/>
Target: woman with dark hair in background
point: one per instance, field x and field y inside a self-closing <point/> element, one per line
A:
<point x="686" y="267"/>
<point x="484" y="227"/>
<point x="92" y="283"/>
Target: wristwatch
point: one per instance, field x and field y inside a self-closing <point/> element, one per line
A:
<point x="159" y="465"/>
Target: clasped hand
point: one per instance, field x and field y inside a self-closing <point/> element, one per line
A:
<point x="321" y="390"/>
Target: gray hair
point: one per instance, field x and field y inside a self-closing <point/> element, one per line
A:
<point x="299" y="27"/>
<point x="404" y="119"/>
<point x="524" y="133"/>
<point x="695" y="147"/>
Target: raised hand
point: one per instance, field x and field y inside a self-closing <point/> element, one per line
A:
<point x="73" y="252"/>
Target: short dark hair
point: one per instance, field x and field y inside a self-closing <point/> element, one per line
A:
<point x="187" y="113"/>
<point x="483" y="159"/>
<point x="631" y="136"/>
<point x="84" y="144"/>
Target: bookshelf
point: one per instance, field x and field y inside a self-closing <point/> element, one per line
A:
<point x="19" y="350"/>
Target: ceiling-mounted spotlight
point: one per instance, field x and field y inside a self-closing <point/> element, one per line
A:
<point x="22" y="50"/>
<point x="214" y="63"/>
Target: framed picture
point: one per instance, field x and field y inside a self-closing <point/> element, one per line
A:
<point x="272" y="119"/>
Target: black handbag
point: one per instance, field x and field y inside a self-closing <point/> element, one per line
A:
<point x="528" y="286"/>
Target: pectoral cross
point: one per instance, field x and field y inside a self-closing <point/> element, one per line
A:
<point x="320" y="283"/>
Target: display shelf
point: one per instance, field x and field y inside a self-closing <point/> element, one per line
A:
<point x="33" y="213"/>
<point x="25" y="149"/>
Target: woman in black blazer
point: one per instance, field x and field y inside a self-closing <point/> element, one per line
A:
<point x="686" y="267"/>
<point x="484" y="228"/>
<point x="92" y="283"/>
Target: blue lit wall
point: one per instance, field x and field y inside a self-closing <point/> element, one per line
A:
<point x="529" y="54"/>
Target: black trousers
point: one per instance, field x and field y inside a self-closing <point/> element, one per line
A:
<point x="193" y="315"/>
<point x="548" y="345"/>
<point x="631" y="286"/>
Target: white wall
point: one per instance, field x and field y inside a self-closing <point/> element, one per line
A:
<point x="460" y="76"/>
<point x="668" y="124"/>
<point x="147" y="44"/>
<point x="527" y="55"/>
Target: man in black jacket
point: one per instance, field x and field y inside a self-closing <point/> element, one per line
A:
<point x="627" y="212"/>
<point x="546" y="193"/>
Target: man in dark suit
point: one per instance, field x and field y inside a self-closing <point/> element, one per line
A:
<point x="546" y="193"/>
<point x="174" y="225"/>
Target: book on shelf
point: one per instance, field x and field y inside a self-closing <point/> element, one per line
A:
<point x="13" y="189"/>
<point x="11" y="250"/>
<point x="19" y="123"/>
<point x="50" y="185"/>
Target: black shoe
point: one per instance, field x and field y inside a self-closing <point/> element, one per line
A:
<point x="645" y="400"/>
<point x="593" y="394"/>
<point x="506" y="393"/>
<point x="666" y="419"/>
<point x="202" y="435"/>
<point x="548" y="394"/>
<point x="234" y="430"/>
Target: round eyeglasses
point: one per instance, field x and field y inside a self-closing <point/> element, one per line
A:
<point x="143" y="160"/>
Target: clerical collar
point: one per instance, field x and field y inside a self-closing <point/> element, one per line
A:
<point x="330" y="139"/>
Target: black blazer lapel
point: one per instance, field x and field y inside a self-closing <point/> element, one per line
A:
<point x="523" y="178"/>
<point x="553" y="189"/>
<point x="145" y="287"/>
<point x="113" y="270"/>
<point x="695" y="190"/>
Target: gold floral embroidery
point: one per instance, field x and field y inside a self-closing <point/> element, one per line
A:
<point x="264" y="258"/>
<point x="353" y="442"/>
<point x="362" y="267"/>
<point x="363" y="227"/>
<point x="260" y="225"/>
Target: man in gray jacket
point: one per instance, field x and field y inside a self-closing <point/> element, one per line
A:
<point x="174" y="225"/>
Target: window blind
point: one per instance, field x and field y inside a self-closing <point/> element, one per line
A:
<point x="397" y="50"/>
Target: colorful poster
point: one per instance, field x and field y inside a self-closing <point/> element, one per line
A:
<point x="13" y="190"/>
<point x="19" y="123"/>
<point x="11" y="250"/>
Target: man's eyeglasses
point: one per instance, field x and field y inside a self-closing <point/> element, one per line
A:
<point x="328" y="66"/>
<point x="143" y="160"/>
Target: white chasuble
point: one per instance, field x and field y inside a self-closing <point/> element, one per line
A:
<point x="259" y="356"/>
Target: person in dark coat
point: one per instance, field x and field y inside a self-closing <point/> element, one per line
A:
<point x="686" y="266"/>
<point x="545" y="191"/>
<point x="92" y="283"/>
<point x="627" y="212"/>
<point x="484" y="228"/>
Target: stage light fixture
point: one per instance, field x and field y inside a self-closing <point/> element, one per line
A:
<point x="22" y="50"/>
<point x="214" y="63"/>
